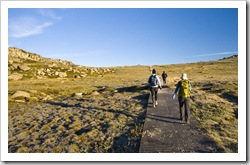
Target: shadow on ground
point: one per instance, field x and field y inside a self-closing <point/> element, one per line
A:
<point x="126" y="142"/>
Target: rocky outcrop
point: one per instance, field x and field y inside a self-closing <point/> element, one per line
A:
<point x="31" y="65"/>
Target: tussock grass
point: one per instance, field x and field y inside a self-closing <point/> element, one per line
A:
<point x="109" y="116"/>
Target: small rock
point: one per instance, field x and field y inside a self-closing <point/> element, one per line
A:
<point x="95" y="93"/>
<point x="20" y="101"/>
<point x="78" y="94"/>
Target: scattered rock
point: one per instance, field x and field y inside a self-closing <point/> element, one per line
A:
<point x="61" y="74"/>
<point x="47" y="98"/>
<point x="40" y="67"/>
<point x="15" y="76"/>
<point x="52" y="65"/>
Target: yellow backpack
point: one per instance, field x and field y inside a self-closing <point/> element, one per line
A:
<point x="184" y="88"/>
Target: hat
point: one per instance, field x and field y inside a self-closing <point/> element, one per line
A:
<point x="184" y="76"/>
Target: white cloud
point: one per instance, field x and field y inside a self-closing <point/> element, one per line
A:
<point x="214" y="54"/>
<point x="26" y="26"/>
<point x="49" y="13"/>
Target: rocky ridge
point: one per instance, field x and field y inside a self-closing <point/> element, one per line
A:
<point x="23" y="65"/>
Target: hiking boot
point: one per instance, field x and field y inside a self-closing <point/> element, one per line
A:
<point x="156" y="103"/>
<point x="183" y="122"/>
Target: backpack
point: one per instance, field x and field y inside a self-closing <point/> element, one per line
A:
<point x="164" y="75"/>
<point x="184" y="88"/>
<point x="153" y="81"/>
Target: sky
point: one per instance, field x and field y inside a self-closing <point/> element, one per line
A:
<point x="104" y="37"/>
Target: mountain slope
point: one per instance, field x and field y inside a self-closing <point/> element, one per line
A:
<point x="24" y="65"/>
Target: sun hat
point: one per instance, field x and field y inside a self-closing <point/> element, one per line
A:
<point x="184" y="76"/>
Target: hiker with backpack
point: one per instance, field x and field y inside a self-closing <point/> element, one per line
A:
<point x="164" y="77"/>
<point x="154" y="83"/>
<point x="183" y="88"/>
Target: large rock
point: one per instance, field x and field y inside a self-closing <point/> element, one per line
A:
<point x="61" y="74"/>
<point x="20" y="95"/>
<point x="23" y="67"/>
<point x="15" y="76"/>
<point x="15" y="65"/>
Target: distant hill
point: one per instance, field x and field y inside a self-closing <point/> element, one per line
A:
<point x="231" y="57"/>
<point x="23" y="65"/>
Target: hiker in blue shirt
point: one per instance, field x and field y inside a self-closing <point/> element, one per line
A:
<point x="183" y="88"/>
<point x="154" y="82"/>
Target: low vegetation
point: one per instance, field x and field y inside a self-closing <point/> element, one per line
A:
<point x="109" y="112"/>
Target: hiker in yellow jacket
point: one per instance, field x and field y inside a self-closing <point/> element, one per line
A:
<point x="183" y="88"/>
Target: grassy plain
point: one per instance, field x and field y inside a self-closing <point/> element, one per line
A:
<point x="109" y="116"/>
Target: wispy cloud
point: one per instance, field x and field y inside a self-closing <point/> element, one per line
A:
<point x="49" y="13"/>
<point x="214" y="54"/>
<point x="24" y="26"/>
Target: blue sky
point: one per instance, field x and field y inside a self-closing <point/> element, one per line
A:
<point x="125" y="36"/>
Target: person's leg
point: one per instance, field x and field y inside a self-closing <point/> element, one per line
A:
<point x="153" y="96"/>
<point x="156" y="96"/>
<point x="181" y="103"/>
<point x="187" y="112"/>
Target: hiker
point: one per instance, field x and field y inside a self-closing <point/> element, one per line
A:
<point x="164" y="77"/>
<point x="154" y="82"/>
<point x="183" y="88"/>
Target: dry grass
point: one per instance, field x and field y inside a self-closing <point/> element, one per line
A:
<point x="110" y="115"/>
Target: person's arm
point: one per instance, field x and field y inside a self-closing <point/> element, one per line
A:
<point x="177" y="88"/>
<point x="159" y="82"/>
<point x="149" y="81"/>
